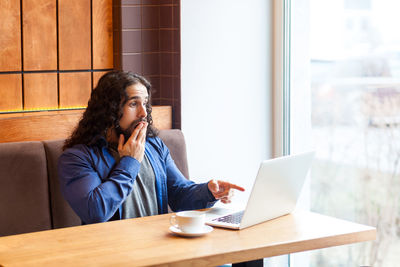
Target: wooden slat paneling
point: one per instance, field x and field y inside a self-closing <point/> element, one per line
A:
<point x="10" y="36"/>
<point x="74" y="34"/>
<point x="162" y="117"/>
<point x="75" y="89"/>
<point x="38" y="126"/>
<point x="39" y="34"/>
<point x="97" y="76"/>
<point x="10" y="92"/>
<point x="52" y="125"/>
<point x="40" y="91"/>
<point x="102" y="34"/>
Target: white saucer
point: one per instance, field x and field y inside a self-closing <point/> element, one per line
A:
<point x="207" y="229"/>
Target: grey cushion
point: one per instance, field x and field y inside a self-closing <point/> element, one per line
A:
<point x="62" y="213"/>
<point x="175" y="141"/>
<point x="24" y="190"/>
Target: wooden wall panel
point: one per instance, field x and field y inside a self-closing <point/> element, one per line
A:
<point x="38" y="126"/>
<point x="10" y="36"/>
<point x="52" y="125"/>
<point x="40" y="91"/>
<point x="162" y="117"/>
<point x="39" y="34"/>
<point x="96" y="77"/>
<point x="10" y="92"/>
<point x="74" y="34"/>
<point x="102" y="34"/>
<point x="75" y="89"/>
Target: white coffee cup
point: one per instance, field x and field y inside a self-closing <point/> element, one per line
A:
<point x="188" y="221"/>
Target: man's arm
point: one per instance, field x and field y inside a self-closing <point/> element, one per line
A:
<point x="188" y="195"/>
<point x="183" y="194"/>
<point x="94" y="199"/>
<point x="91" y="198"/>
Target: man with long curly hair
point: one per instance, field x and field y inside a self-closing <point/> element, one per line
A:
<point x="115" y="167"/>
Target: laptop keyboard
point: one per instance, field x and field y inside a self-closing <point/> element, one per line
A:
<point x="233" y="218"/>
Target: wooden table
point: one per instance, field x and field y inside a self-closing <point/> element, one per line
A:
<point x="147" y="241"/>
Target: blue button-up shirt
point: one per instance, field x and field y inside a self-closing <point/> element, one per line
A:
<point x="95" y="185"/>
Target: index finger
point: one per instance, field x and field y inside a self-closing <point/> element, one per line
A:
<point x="135" y="132"/>
<point x="142" y="134"/>
<point x="236" y="187"/>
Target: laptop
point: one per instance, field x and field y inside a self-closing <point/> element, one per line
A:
<point x="275" y="192"/>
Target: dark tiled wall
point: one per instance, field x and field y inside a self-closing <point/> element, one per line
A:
<point x="147" y="41"/>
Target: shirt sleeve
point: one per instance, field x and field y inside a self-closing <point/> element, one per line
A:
<point x="184" y="194"/>
<point x="93" y="199"/>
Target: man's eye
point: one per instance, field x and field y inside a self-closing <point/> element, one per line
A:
<point x="133" y="104"/>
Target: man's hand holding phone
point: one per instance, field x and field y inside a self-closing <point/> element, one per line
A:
<point x="135" y="145"/>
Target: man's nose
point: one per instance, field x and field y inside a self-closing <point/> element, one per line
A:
<point x="143" y="112"/>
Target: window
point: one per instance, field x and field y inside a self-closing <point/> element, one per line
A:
<point x="345" y="102"/>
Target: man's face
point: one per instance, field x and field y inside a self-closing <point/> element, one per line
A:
<point x="134" y="110"/>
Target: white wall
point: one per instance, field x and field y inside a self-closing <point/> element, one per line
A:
<point x="226" y="88"/>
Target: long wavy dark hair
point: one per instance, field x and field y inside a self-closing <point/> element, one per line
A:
<point x="105" y="105"/>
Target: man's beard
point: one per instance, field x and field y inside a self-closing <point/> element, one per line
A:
<point x="128" y="132"/>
